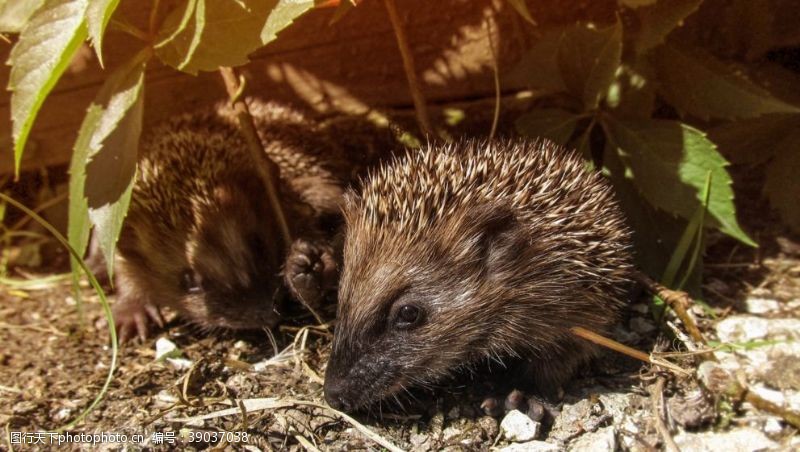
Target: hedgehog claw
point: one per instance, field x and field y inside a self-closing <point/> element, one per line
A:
<point x="534" y="407"/>
<point x="133" y="318"/>
<point x="310" y="271"/>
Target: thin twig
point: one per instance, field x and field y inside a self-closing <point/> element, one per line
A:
<point x="598" y="339"/>
<point x="266" y="168"/>
<point x="678" y="300"/>
<point x="657" y="399"/>
<point x="496" y="70"/>
<point x="411" y="73"/>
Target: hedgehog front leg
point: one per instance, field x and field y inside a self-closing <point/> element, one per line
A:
<point x="310" y="271"/>
<point x="133" y="313"/>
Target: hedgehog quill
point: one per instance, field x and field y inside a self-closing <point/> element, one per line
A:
<point x="472" y="251"/>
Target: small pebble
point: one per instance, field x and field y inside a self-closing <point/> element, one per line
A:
<point x="518" y="427"/>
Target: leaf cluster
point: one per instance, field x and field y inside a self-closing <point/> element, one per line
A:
<point x="661" y="115"/>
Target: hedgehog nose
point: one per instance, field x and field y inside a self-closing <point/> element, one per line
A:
<point x="334" y="394"/>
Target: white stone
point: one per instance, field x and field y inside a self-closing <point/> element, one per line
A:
<point x="530" y="446"/>
<point x="604" y="439"/>
<point x="518" y="427"/>
<point x="737" y="440"/>
<point x="762" y="305"/>
<point x="742" y="328"/>
<point x="772" y="426"/>
<point x="180" y="363"/>
<point x="165" y="348"/>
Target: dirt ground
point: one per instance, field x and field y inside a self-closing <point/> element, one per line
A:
<point x="55" y="357"/>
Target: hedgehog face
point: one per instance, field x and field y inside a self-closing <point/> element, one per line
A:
<point x="408" y="308"/>
<point x="220" y="270"/>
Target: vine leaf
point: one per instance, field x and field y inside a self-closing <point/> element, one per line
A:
<point x="553" y="123"/>
<point x="207" y="34"/>
<point x="588" y="59"/>
<point x="282" y="15"/>
<point x="97" y="16"/>
<point x="657" y="20"/>
<point x="103" y="166"/>
<point x="44" y="50"/>
<point x="782" y="186"/>
<point x="538" y="66"/>
<point x="752" y="141"/>
<point x="14" y="14"/>
<point x="669" y="163"/>
<point x="698" y="84"/>
<point x="522" y="9"/>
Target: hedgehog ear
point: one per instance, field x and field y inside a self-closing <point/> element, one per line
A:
<point x="498" y="237"/>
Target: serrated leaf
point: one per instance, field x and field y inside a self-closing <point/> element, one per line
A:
<point x="42" y="53"/>
<point x="538" y="67"/>
<point x="698" y="84"/>
<point x="522" y="9"/>
<point x="104" y="164"/>
<point x="657" y="20"/>
<point x="14" y="14"/>
<point x="656" y="233"/>
<point x="282" y="15"/>
<point x="79" y="226"/>
<point x="97" y="16"/>
<point x="205" y="35"/>
<point x="669" y="163"/>
<point x="633" y="95"/>
<point x="782" y="186"/>
<point x="588" y="59"/>
<point x="754" y="140"/>
<point x="552" y="123"/>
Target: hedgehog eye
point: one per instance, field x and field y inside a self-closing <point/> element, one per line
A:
<point x="191" y="282"/>
<point x="407" y="316"/>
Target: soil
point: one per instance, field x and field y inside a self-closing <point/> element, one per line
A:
<point x="55" y="357"/>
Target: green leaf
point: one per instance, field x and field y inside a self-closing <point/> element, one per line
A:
<point x="656" y="233"/>
<point x="538" y="66"/>
<point x="97" y="16"/>
<point x="633" y="94"/>
<point x="79" y="226"/>
<point x="206" y="34"/>
<point x="755" y="140"/>
<point x="782" y="186"/>
<point x="282" y="15"/>
<point x="696" y="83"/>
<point x="522" y="9"/>
<point x="14" y="14"/>
<point x="588" y="59"/>
<point x="553" y="123"/>
<point x="669" y="162"/>
<point x="657" y="20"/>
<point x="104" y="164"/>
<point x="43" y="52"/>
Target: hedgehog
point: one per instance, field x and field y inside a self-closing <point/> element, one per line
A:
<point x="474" y="251"/>
<point x="200" y="236"/>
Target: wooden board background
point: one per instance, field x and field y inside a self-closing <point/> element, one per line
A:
<point x="352" y="65"/>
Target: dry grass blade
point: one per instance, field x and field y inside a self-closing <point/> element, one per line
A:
<point x="598" y="339"/>
<point x="678" y="300"/>
<point x="271" y="403"/>
<point x="657" y="399"/>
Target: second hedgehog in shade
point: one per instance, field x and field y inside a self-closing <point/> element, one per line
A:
<point x="200" y="236"/>
<point x="471" y="251"/>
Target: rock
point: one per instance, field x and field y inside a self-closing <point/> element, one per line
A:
<point x="740" y="439"/>
<point x="762" y="305"/>
<point x="165" y="348"/>
<point x="604" y="439"/>
<point x="691" y="410"/>
<point x="489" y="426"/>
<point x="518" y="427"/>
<point x="531" y="446"/>
<point x="772" y="426"/>
<point x="742" y="329"/>
<point x="450" y="432"/>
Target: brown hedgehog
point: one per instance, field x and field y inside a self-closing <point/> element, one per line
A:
<point x="200" y="236"/>
<point x="471" y="251"/>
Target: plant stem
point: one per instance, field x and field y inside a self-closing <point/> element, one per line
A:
<point x="417" y="97"/>
<point x="267" y="169"/>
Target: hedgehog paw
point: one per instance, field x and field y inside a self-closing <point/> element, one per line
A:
<point x="133" y="318"/>
<point x="536" y="408"/>
<point x="310" y="271"/>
